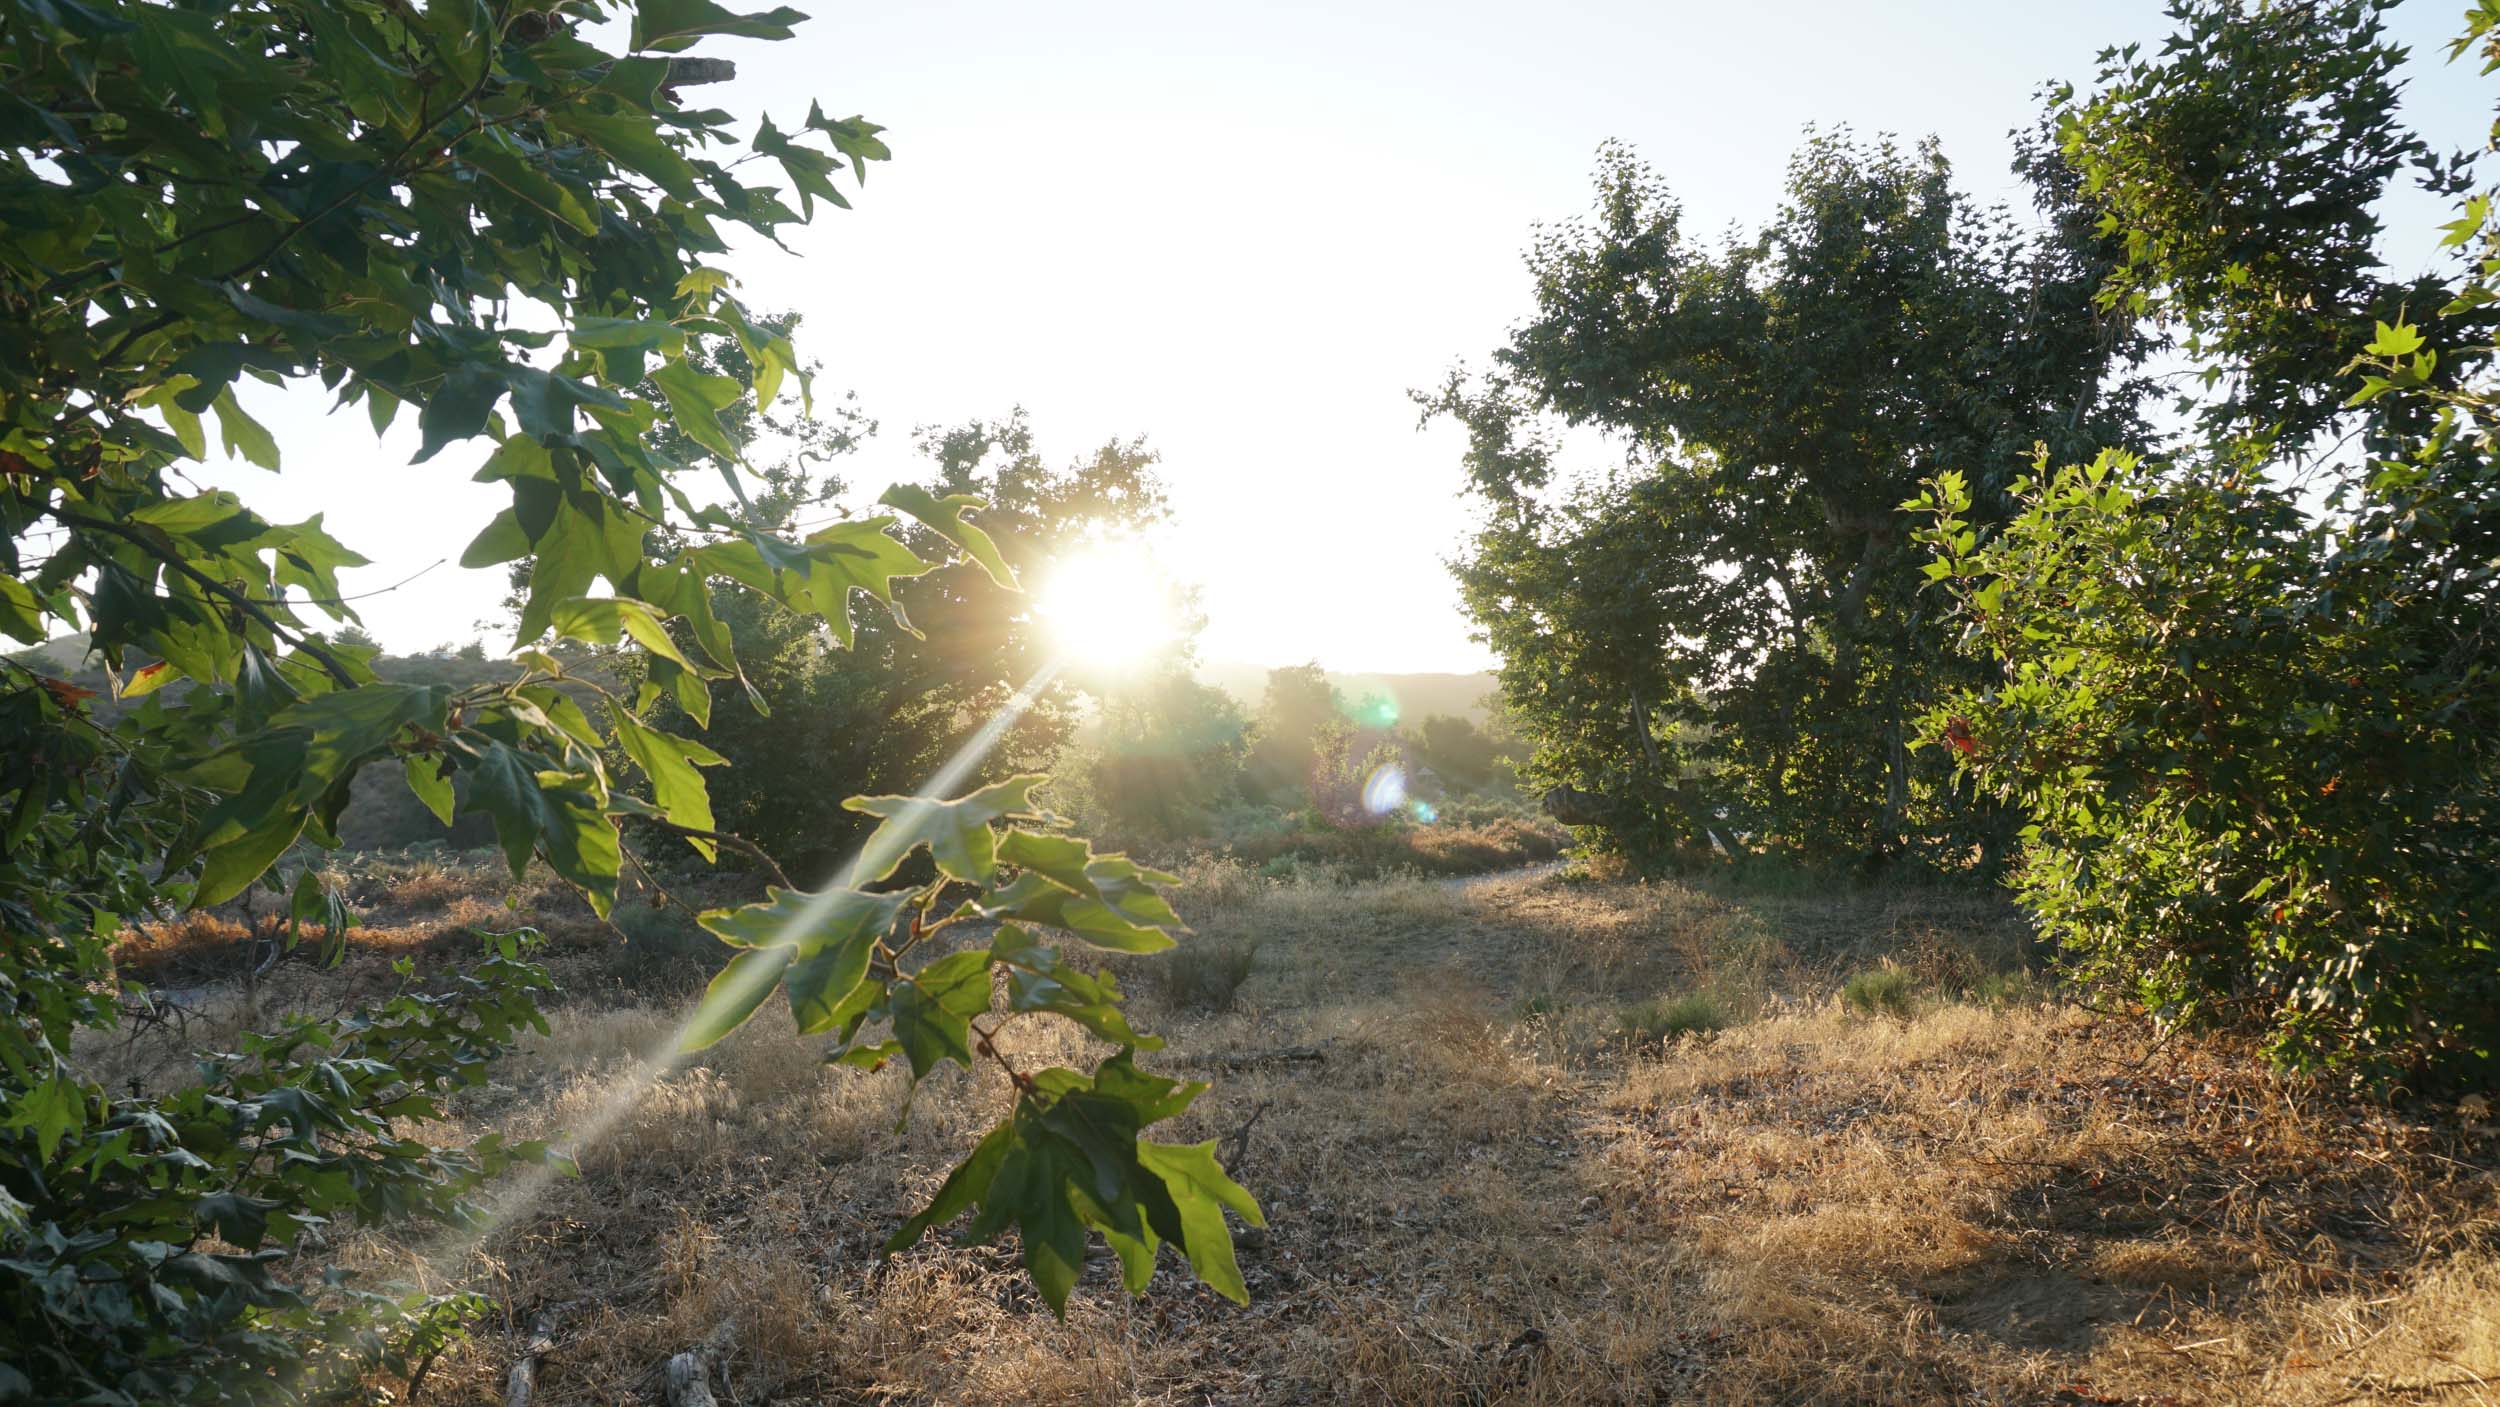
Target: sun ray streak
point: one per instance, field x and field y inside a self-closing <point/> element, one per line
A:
<point x="519" y="1193"/>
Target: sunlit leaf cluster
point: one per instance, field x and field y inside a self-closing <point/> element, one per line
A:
<point x="889" y="976"/>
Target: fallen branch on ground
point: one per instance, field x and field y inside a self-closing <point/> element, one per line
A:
<point x="690" y="1373"/>
<point x="521" y="1384"/>
<point x="1252" y="1059"/>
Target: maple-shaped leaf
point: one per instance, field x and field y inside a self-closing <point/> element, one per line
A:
<point x="957" y="832"/>
<point x="945" y="517"/>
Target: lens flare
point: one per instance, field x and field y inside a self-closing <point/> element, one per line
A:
<point x="1424" y="812"/>
<point x="1108" y="608"/>
<point x="1376" y="706"/>
<point x="1384" y="790"/>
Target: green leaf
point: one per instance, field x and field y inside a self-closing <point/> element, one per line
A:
<point x="1031" y="1190"/>
<point x="1201" y="1192"/>
<point x="459" y="408"/>
<point x="966" y="1186"/>
<point x="828" y="988"/>
<point x="186" y="427"/>
<point x="1037" y="980"/>
<point x="2399" y="340"/>
<point x="635" y="144"/>
<point x="568" y="717"/>
<point x="672" y="763"/>
<point x="54" y="1108"/>
<point x="957" y="832"/>
<point x="696" y="400"/>
<point x="807" y="919"/>
<point x="859" y="556"/>
<point x="230" y="868"/>
<point x="239" y="433"/>
<point x="1128" y="917"/>
<point x="427" y="780"/>
<point x="1061" y="857"/>
<point x="241" y="1220"/>
<point x="733" y="996"/>
<point x="501" y="540"/>
<point x="534" y="804"/>
<point x="21" y="612"/>
<point x="622" y="343"/>
<point x="602" y="620"/>
<point x="833" y="934"/>
<point x="673" y="25"/>
<point x="945" y="517"/>
<point x="495" y="154"/>
<point x="318" y="325"/>
<point x="1154" y="1097"/>
<point x="214" y="517"/>
<point x="933" y="1008"/>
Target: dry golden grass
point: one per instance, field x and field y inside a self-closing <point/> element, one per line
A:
<point x="1481" y="1191"/>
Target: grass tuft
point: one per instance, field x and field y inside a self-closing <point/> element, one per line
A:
<point x="1881" y="991"/>
<point x="1205" y="974"/>
<point x="665" y="950"/>
<point x="1655" y="1022"/>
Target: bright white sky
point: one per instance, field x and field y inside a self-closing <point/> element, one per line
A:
<point x="1246" y="232"/>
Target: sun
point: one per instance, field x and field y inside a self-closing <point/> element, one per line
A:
<point x="1108" y="608"/>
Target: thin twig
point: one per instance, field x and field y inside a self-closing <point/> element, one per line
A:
<point x="355" y="596"/>
<point x="738" y="843"/>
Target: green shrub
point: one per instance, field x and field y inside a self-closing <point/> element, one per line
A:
<point x="1541" y="1005"/>
<point x="1652" y="1022"/>
<point x="2250" y="698"/>
<point x="1881" y="991"/>
<point x="1205" y="975"/>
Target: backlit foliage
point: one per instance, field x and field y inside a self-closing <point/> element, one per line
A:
<point x="506" y="223"/>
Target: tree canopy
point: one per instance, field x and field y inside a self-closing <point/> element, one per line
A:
<point x="1723" y="637"/>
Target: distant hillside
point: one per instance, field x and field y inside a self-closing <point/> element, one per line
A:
<point x="1417" y="696"/>
<point x="66" y="656"/>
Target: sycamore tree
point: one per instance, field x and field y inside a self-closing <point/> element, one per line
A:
<point x="510" y="224"/>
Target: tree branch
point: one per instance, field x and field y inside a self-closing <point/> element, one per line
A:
<point x="330" y="663"/>
<point x="738" y="843"/>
